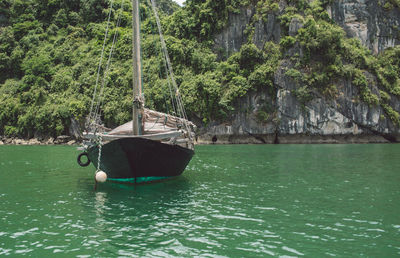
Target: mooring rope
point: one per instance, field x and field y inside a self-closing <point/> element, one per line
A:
<point x="100" y="140"/>
<point x="99" y="157"/>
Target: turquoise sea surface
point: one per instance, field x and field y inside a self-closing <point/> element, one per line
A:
<point x="232" y="201"/>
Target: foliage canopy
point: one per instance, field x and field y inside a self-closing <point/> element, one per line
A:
<point x="50" y="50"/>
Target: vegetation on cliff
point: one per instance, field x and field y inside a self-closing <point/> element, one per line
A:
<point x="50" y="50"/>
<point x="328" y="56"/>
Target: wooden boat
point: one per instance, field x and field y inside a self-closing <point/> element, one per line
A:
<point x="154" y="145"/>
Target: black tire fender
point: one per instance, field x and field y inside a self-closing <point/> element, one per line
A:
<point x="80" y="162"/>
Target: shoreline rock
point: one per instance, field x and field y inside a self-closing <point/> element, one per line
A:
<point x="206" y="139"/>
<point x="221" y="139"/>
<point x="63" y="140"/>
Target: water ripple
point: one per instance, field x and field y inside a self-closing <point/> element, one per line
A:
<point x="224" y="217"/>
<point x="231" y="202"/>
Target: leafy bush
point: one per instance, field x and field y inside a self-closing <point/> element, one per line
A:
<point x="393" y="114"/>
<point x="303" y="94"/>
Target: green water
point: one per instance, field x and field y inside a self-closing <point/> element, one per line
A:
<point x="233" y="201"/>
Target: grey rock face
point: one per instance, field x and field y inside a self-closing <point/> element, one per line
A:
<point x="265" y="31"/>
<point x="320" y="120"/>
<point x="294" y="26"/>
<point x="346" y="115"/>
<point x="367" y="20"/>
<point x="232" y="38"/>
<point x="74" y="129"/>
<point x="342" y="119"/>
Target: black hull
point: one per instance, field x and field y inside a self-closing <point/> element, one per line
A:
<point x="132" y="158"/>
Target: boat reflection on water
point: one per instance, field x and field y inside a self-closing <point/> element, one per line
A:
<point x="99" y="205"/>
<point x="117" y="204"/>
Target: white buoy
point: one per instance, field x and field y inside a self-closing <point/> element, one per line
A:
<point x="101" y="176"/>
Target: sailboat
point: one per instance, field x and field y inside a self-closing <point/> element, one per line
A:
<point x="154" y="145"/>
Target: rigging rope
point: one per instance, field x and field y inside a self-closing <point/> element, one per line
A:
<point x="160" y="75"/>
<point x="89" y="121"/>
<point x="94" y="116"/>
<point x="105" y="77"/>
<point x="180" y="106"/>
<point x="171" y="94"/>
<point x="99" y="98"/>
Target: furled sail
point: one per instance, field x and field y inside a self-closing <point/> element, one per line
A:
<point x="154" y="123"/>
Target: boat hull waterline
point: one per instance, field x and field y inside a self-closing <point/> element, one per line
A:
<point x="139" y="160"/>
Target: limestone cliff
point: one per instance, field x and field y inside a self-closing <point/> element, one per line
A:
<point x="368" y="20"/>
<point x="321" y="120"/>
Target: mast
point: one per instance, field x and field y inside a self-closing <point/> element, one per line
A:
<point x="137" y="71"/>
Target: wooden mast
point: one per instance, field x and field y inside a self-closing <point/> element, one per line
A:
<point x="137" y="73"/>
